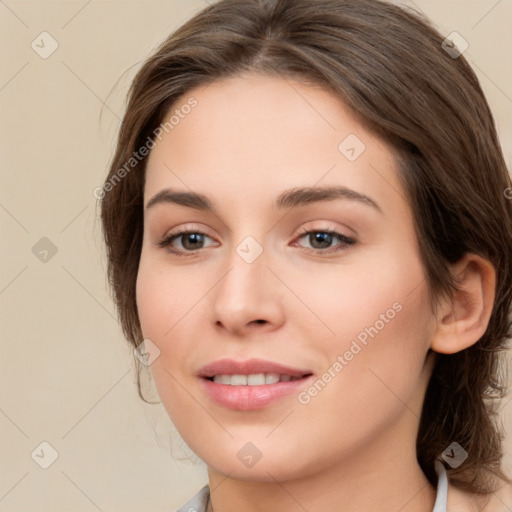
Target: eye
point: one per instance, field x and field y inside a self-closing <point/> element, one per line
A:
<point x="322" y="239"/>
<point x="189" y="240"/>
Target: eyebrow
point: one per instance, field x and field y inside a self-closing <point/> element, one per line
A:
<point x="299" y="196"/>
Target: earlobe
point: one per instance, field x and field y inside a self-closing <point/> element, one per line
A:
<point x="463" y="318"/>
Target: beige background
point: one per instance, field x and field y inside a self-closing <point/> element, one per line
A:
<point x="66" y="374"/>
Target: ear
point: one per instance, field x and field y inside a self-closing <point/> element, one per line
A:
<point x="461" y="320"/>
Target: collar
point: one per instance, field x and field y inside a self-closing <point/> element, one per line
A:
<point x="442" y="488"/>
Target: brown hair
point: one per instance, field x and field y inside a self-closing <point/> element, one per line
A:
<point x="387" y="64"/>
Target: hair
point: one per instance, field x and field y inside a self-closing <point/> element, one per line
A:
<point x="387" y="65"/>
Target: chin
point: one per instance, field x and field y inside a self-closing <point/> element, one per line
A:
<point x="278" y="467"/>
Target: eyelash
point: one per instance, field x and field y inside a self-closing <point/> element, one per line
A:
<point x="167" y="241"/>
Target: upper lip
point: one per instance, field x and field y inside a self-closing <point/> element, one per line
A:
<point x="249" y="367"/>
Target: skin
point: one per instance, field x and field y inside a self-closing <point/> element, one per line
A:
<point x="352" y="447"/>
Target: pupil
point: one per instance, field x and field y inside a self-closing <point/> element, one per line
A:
<point x="323" y="238"/>
<point x="194" y="237"/>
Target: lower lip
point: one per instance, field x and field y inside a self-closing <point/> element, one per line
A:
<point x="247" y="398"/>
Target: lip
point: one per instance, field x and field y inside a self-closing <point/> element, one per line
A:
<point x="250" y="397"/>
<point x="251" y="366"/>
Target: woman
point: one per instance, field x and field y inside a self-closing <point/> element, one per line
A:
<point x="308" y="233"/>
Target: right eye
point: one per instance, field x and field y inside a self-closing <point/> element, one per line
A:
<point x="190" y="241"/>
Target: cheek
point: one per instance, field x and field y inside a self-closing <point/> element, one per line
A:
<point x="152" y="302"/>
<point x="162" y="298"/>
<point x="380" y="346"/>
<point x="348" y="299"/>
<point x="169" y="303"/>
<point x="161" y="302"/>
<point x="368" y="391"/>
<point x="382" y="324"/>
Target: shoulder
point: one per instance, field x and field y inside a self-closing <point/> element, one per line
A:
<point x="463" y="501"/>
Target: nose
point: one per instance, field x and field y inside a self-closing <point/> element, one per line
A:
<point x="248" y="299"/>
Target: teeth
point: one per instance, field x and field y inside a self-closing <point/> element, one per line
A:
<point x="271" y="378"/>
<point x="223" y="379"/>
<point x="258" y="379"/>
<point x="238" y="380"/>
<point x="255" y="379"/>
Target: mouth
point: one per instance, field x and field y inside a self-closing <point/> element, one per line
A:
<point x="252" y="384"/>
<point x="254" y="379"/>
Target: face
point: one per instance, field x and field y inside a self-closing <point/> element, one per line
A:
<point x="321" y="288"/>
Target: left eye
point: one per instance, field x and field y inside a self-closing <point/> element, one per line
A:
<point x="322" y="239"/>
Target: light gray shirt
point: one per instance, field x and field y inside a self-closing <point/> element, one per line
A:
<point x="199" y="502"/>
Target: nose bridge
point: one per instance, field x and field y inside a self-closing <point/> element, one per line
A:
<point x="249" y="247"/>
<point x="245" y="294"/>
<point x="247" y="268"/>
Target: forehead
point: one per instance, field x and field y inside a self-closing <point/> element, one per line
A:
<point x="250" y="136"/>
